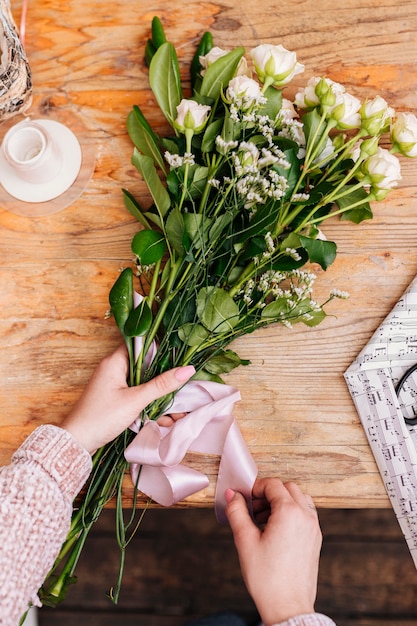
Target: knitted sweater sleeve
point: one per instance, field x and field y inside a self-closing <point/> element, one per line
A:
<point x="312" y="619"/>
<point x="36" y="494"/>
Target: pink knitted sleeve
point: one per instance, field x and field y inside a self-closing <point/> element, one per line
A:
<point x="36" y="494"/>
<point x="312" y="619"/>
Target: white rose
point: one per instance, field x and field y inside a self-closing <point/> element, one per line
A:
<point x="216" y="53"/>
<point x="404" y="134"/>
<point x="191" y="116"/>
<point x="383" y="169"/>
<point x="244" y="91"/>
<point x="275" y="65"/>
<point x="346" y="111"/>
<point x="318" y="91"/>
<point x="376" y="115"/>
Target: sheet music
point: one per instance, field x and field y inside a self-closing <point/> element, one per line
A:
<point x="371" y="380"/>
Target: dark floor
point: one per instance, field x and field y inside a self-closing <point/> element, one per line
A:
<point x="182" y="564"/>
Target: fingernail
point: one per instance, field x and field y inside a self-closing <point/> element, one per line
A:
<point x="184" y="373"/>
<point x="230" y="494"/>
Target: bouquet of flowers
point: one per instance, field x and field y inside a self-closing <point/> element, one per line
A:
<point x="240" y="190"/>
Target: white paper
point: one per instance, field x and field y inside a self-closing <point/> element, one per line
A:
<point x="372" y="379"/>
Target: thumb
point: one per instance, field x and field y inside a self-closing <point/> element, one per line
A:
<point x="161" y="385"/>
<point x="243" y="528"/>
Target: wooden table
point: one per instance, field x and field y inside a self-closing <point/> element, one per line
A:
<point x="56" y="271"/>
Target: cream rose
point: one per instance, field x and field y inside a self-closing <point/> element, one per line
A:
<point x="383" y="169"/>
<point x="191" y="116"/>
<point x="376" y="115"/>
<point x="404" y="134"/>
<point x="244" y="91"/>
<point x="275" y="64"/>
<point x="216" y="53"/>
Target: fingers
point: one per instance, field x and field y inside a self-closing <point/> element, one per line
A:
<point x="269" y="492"/>
<point x="239" y="519"/>
<point x="169" y="420"/>
<point x="161" y="385"/>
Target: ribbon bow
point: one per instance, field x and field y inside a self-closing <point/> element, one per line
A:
<point x="208" y="427"/>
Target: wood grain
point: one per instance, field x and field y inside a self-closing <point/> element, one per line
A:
<point x="55" y="272"/>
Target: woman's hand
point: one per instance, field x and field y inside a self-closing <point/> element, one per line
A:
<point x="108" y="405"/>
<point x="279" y="554"/>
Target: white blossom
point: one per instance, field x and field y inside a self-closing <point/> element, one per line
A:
<point x="244" y="92"/>
<point x="376" y="115"/>
<point x="337" y="293"/>
<point x="191" y="116"/>
<point x="275" y="63"/>
<point x="404" y="134"/>
<point x="384" y="170"/>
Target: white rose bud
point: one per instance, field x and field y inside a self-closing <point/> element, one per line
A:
<point x="376" y="116"/>
<point x="404" y="134"/>
<point x="318" y="91"/>
<point x="346" y="111"/>
<point x="275" y="65"/>
<point x="216" y="53"/>
<point x="244" y="91"/>
<point x="384" y="171"/>
<point x="191" y="116"/>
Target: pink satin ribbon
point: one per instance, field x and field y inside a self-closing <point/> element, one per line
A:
<point x="209" y="427"/>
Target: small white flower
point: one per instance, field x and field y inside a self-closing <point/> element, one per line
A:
<point x="173" y="160"/>
<point x="275" y="63"/>
<point x="337" y="293"/>
<point x="404" y="134"/>
<point x="292" y="252"/>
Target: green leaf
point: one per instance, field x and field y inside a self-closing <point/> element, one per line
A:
<point x="196" y="181"/>
<point x="204" y="375"/>
<point x="216" y="310"/>
<point x="121" y="298"/>
<point x="197" y="227"/>
<point x="224" y="362"/>
<point x="262" y="221"/>
<point x="219" y="74"/>
<point x="143" y="137"/>
<point x="208" y="143"/>
<point x="134" y="208"/>
<point x="139" y="321"/>
<point x="192" y="334"/>
<point x="319" y="251"/>
<point x="203" y="48"/>
<point x="175" y="230"/>
<point x="273" y="104"/>
<point x="145" y="165"/>
<point x="314" y="129"/>
<point x="359" y="213"/>
<point x="164" y="79"/>
<point x="149" y="246"/>
<point x="276" y="311"/>
<point x="158" y="33"/>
